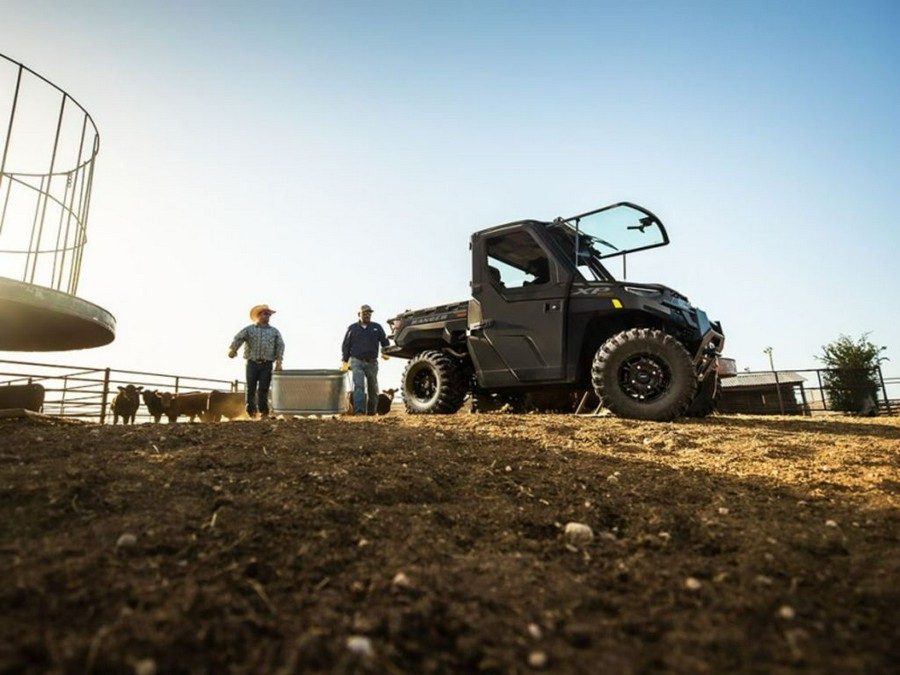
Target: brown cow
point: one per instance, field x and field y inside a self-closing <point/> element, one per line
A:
<point x="125" y="404"/>
<point x="193" y="404"/>
<point x="27" y="396"/>
<point x="229" y="404"/>
<point x="153" y="401"/>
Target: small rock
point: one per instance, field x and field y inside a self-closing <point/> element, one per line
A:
<point x="537" y="659"/>
<point x="401" y="581"/>
<point x="830" y="523"/>
<point x="786" y="612"/>
<point x="535" y="631"/>
<point x="145" y="667"/>
<point x="127" y="540"/>
<point x="692" y="584"/>
<point x="578" y="534"/>
<point x="360" y="645"/>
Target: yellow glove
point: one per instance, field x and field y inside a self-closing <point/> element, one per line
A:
<point x="278" y="364"/>
<point x="344" y="366"/>
<point x="232" y="353"/>
<point x="385" y="357"/>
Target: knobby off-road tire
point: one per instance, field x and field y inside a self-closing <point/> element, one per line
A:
<point x="433" y="384"/>
<point x="707" y="397"/>
<point x="644" y="374"/>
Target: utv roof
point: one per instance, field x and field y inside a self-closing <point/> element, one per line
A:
<point x="614" y="230"/>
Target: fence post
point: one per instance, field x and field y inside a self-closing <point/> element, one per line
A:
<point x="105" y="396"/>
<point x="887" y="401"/>
<point x="62" y="399"/>
<point x="825" y="402"/>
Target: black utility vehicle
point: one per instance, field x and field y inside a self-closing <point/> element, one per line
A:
<point x="548" y="327"/>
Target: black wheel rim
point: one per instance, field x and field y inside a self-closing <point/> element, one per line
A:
<point x="644" y="378"/>
<point x="424" y="384"/>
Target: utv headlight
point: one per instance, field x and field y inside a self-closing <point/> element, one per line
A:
<point x="644" y="292"/>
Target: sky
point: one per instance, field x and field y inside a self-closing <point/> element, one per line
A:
<point x="315" y="156"/>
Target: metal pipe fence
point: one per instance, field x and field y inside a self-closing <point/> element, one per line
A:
<point x="86" y="394"/>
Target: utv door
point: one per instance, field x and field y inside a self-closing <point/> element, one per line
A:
<point x="517" y="314"/>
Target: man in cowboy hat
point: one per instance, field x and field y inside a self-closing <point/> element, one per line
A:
<point x="263" y="349"/>
<point x="359" y="354"/>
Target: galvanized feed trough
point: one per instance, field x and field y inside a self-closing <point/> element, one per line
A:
<point x="309" y="392"/>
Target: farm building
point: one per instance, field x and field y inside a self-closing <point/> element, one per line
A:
<point x="770" y="393"/>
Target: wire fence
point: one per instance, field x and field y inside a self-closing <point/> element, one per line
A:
<point x="86" y="393"/>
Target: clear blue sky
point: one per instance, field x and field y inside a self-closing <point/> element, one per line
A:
<point x="318" y="155"/>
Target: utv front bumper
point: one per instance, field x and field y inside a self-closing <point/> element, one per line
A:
<point x="712" y="343"/>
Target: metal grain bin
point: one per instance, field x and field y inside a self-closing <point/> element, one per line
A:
<point x="309" y="392"/>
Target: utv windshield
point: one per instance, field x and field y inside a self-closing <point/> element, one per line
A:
<point x="606" y="233"/>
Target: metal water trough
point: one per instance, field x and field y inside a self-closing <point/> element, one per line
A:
<point x="309" y="392"/>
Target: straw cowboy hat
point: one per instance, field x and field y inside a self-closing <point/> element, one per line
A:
<point x="254" y="313"/>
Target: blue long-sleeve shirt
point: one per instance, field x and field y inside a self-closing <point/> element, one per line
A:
<point x="260" y="342"/>
<point x="362" y="340"/>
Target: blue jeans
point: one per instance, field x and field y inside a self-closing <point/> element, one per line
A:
<point x="365" y="381"/>
<point x="259" y="377"/>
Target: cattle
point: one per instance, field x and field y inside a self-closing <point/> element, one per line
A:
<point x="193" y="404"/>
<point x="382" y="405"/>
<point x="153" y="401"/>
<point x="125" y="404"/>
<point x="27" y="396"/>
<point x="385" y="400"/>
<point x="229" y="404"/>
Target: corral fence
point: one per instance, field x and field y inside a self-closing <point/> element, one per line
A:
<point x="86" y="393"/>
<point x="806" y="392"/>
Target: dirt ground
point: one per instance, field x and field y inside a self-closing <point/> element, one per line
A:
<point x="415" y="544"/>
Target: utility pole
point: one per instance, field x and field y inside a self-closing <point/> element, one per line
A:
<point x="768" y="350"/>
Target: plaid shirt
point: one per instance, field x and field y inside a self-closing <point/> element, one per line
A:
<point x="260" y="342"/>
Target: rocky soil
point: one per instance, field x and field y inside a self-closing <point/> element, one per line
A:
<point x="415" y="544"/>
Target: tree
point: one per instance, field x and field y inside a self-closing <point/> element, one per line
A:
<point x="851" y="379"/>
